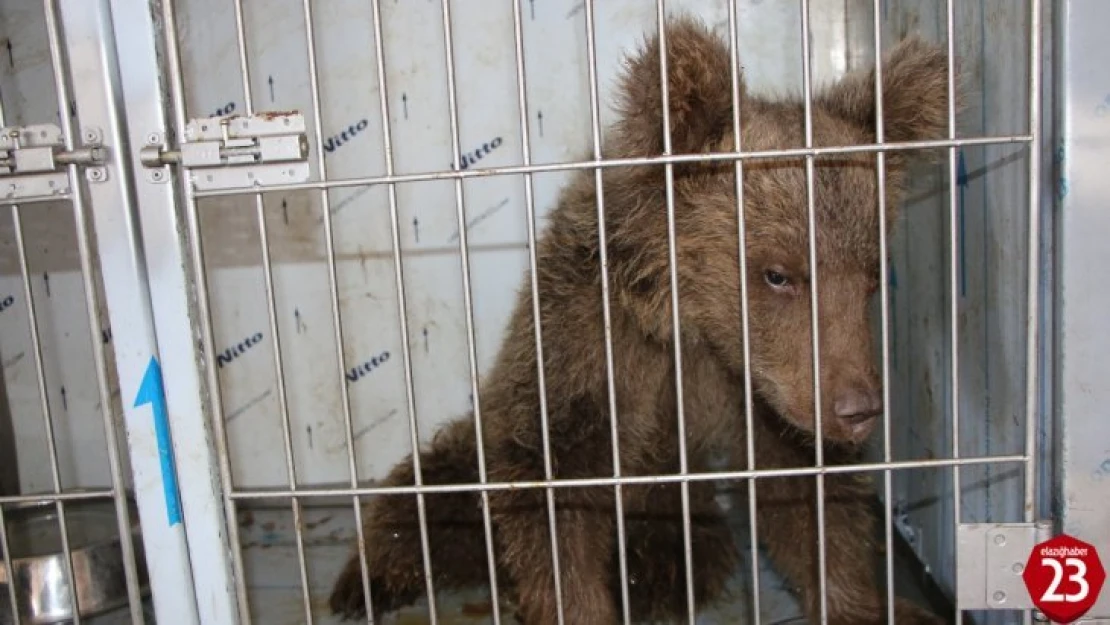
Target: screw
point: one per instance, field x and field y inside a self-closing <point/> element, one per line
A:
<point x="96" y="175"/>
<point x="91" y="136"/>
<point x="999" y="596"/>
<point x="156" y="175"/>
<point x="999" y="539"/>
<point x="153" y="139"/>
<point x="1018" y="567"/>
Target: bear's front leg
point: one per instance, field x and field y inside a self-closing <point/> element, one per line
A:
<point x="584" y="523"/>
<point x="579" y="447"/>
<point x="788" y="528"/>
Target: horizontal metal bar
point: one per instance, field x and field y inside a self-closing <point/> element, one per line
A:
<point x="52" y="497"/>
<point x="723" y="157"/>
<point x="78" y="156"/>
<point x="26" y="201"/>
<point x="626" y="480"/>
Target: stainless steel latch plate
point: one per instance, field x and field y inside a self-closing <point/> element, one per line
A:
<point x="239" y="152"/>
<point x="33" y="160"/>
<point x="990" y="559"/>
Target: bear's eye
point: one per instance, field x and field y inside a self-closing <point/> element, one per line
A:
<point x="775" y="279"/>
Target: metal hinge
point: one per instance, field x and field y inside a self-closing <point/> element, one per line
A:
<point x="33" y="161"/>
<point x="990" y="558"/>
<point x="231" y="152"/>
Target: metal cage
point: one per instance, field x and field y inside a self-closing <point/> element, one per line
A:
<point x="273" y="246"/>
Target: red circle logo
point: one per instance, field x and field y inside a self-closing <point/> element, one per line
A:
<point x="1064" y="577"/>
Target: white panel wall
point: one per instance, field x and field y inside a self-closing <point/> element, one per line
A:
<point x="559" y="114"/>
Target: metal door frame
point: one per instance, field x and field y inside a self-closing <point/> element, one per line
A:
<point x="1082" y="227"/>
<point x="108" y="51"/>
<point x="138" y="40"/>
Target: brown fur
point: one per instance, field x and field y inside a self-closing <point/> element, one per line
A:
<point x="700" y="96"/>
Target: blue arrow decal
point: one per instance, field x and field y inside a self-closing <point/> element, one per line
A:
<point x="151" y="392"/>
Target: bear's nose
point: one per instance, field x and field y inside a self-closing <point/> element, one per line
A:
<point x="858" y="406"/>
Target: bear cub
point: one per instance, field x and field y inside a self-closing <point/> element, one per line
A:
<point x="714" y="358"/>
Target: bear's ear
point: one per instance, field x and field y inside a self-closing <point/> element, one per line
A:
<point x="915" y="93"/>
<point x="699" y="92"/>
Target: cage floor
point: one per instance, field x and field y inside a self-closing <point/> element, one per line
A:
<point x="270" y="557"/>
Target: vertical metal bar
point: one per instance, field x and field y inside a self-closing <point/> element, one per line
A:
<point x="676" y="323"/>
<point x="333" y="289"/>
<point x="884" y="307"/>
<point x="177" y="94"/>
<point x="953" y="278"/>
<point x="472" y="356"/>
<point x="275" y="338"/>
<point x="4" y="546"/>
<point x="606" y="316"/>
<point x="119" y="495"/>
<point x="52" y="453"/>
<point x="136" y="88"/>
<point x="530" y="207"/>
<point x="13" y="600"/>
<point x="9" y="571"/>
<point x="283" y="404"/>
<point x="403" y="316"/>
<point x="208" y="342"/>
<point x="92" y="305"/>
<point x="1033" y="305"/>
<point x="745" y="321"/>
<point x="91" y="56"/>
<point x="1034" y="257"/>
<point x="807" y="89"/>
<point x="32" y="314"/>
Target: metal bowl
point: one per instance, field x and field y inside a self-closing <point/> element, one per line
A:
<point x="38" y="561"/>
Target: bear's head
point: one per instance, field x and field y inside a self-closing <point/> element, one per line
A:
<point x="779" y="268"/>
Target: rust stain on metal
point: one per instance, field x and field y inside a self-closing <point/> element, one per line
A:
<point x="272" y="115"/>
